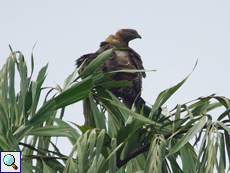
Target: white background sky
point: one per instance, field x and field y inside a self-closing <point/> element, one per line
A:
<point x="174" y="35"/>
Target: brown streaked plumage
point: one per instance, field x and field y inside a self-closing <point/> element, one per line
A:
<point x="120" y="59"/>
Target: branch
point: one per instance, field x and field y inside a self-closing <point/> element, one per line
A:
<point x="43" y="157"/>
<point x="30" y="147"/>
<point x="140" y="150"/>
<point x="145" y="148"/>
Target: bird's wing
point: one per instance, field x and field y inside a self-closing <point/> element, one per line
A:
<point x="137" y="60"/>
<point x="88" y="58"/>
<point x="112" y="62"/>
<point x="127" y="59"/>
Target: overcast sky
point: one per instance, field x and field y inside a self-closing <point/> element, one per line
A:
<point x="175" y="34"/>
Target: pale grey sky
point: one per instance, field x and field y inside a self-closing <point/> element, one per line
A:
<point x="174" y="35"/>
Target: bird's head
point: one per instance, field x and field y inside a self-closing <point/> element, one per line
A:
<point x="128" y="34"/>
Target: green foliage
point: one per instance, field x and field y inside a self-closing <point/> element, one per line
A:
<point x="115" y="138"/>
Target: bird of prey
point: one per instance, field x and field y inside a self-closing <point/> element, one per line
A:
<point x="120" y="59"/>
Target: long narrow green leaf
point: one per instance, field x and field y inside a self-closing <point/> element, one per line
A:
<point x="124" y="115"/>
<point x="200" y="166"/>
<point x="98" y="117"/>
<point x="189" y="158"/>
<point x="70" y="166"/>
<point x="50" y="131"/>
<point x="35" y="88"/>
<point x="23" y="84"/>
<point x="69" y="80"/>
<point x="100" y="140"/>
<point x="174" y="165"/>
<point x="212" y="150"/>
<point x="42" y="74"/>
<point x="4" y="120"/>
<point x="11" y="67"/>
<point x="43" y="113"/>
<point x="156" y="155"/>
<point x="224" y="101"/>
<point x="54" y="164"/>
<point x="46" y="168"/>
<point x="28" y="168"/>
<point x="4" y="146"/>
<point x="227" y="144"/>
<point x="92" y="142"/>
<point x="177" y="117"/>
<point x="32" y="62"/>
<point x="128" y="71"/>
<point x="80" y="158"/>
<point x="222" y="160"/>
<point x="112" y="125"/>
<point x="164" y="96"/>
<point x="224" y="114"/>
<point x="188" y="136"/>
<point x="21" y="132"/>
<point x="223" y="125"/>
<point x="93" y="66"/>
<point x="75" y="93"/>
<point x="112" y="160"/>
<point x="12" y="141"/>
<point x="142" y="118"/>
<point x="74" y="135"/>
<point x="84" y="149"/>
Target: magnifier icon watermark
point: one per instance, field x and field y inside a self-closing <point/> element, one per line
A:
<point x="9" y="160"/>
